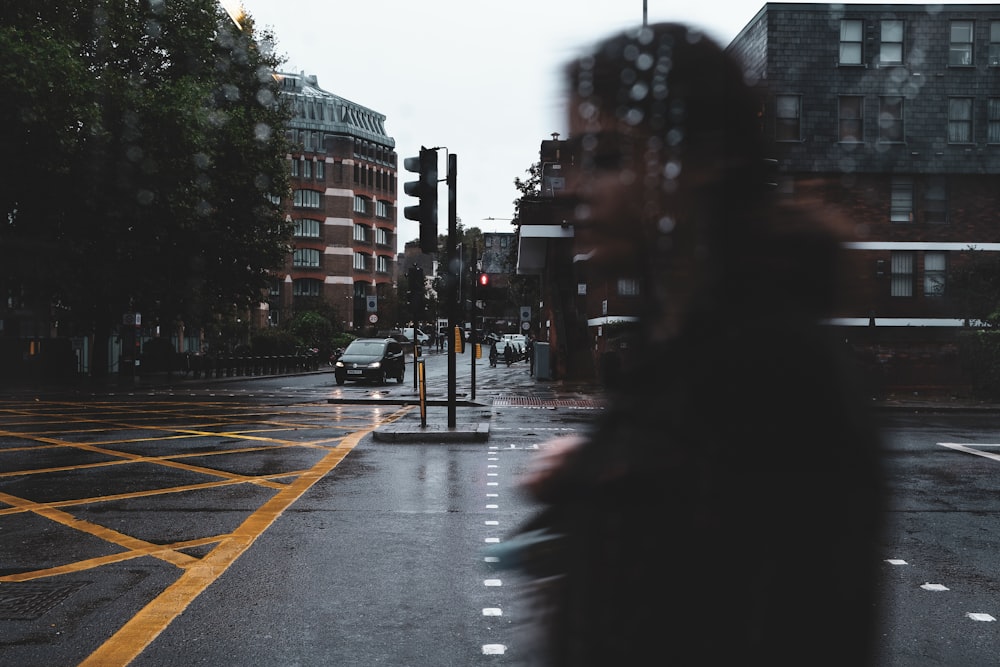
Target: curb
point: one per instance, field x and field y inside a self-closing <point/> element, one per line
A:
<point x="432" y="433"/>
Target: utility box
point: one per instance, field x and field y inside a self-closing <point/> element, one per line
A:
<point x="543" y="361"/>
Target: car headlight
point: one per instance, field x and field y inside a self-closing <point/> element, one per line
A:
<point x="339" y="364"/>
<point x="376" y="364"/>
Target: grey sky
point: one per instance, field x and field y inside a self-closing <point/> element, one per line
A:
<point x="481" y="79"/>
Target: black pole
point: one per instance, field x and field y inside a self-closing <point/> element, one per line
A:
<point x="473" y="339"/>
<point x="453" y="278"/>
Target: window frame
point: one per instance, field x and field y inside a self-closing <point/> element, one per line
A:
<point x="901" y="273"/>
<point x="958" y="124"/>
<point x="315" y="287"/>
<point x="993" y="120"/>
<point x="894" y="133"/>
<point x="935" y="278"/>
<point x="628" y="287"/>
<point x="306" y="198"/>
<point x="362" y="205"/>
<point x="901" y="200"/>
<point x="936" y="200"/>
<point x="846" y="44"/>
<point x="785" y="122"/>
<point x="361" y="233"/>
<point x="993" y="48"/>
<point x="859" y="120"/>
<point x="957" y="48"/>
<point x="883" y="42"/>
<point x="303" y="228"/>
<point x="306" y="258"/>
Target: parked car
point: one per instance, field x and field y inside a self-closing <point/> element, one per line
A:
<point x="416" y="335"/>
<point x="371" y="359"/>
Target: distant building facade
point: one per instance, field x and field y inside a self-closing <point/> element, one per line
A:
<point x="890" y="113"/>
<point x="342" y="206"/>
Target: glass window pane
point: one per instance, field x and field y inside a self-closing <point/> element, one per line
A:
<point x="850" y="30"/>
<point x="961" y="31"/>
<point x="891" y="53"/>
<point x="850" y="54"/>
<point x="892" y="31"/>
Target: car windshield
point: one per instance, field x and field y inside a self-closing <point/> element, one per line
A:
<point x="365" y="347"/>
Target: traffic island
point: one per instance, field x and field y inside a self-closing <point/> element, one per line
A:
<point x="407" y="431"/>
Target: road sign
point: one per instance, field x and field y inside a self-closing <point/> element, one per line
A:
<point x="373" y="318"/>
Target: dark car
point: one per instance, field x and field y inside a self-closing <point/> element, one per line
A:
<point x="372" y="359"/>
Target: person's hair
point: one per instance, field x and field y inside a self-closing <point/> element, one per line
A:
<point x="684" y="88"/>
<point x="681" y="89"/>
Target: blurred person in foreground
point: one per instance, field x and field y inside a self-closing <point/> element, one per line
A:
<point x="727" y="508"/>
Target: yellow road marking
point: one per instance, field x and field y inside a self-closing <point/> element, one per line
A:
<point x="91" y="563"/>
<point x="140" y="547"/>
<point x="145" y="626"/>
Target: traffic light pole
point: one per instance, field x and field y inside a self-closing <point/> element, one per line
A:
<point x="454" y="278"/>
<point x="473" y="338"/>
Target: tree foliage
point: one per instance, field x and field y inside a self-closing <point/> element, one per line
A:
<point x="147" y="158"/>
<point x="975" y="285"/>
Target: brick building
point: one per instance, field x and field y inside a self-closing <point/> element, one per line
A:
<point x="343" y="206"/>
<point x="892" y="114"/>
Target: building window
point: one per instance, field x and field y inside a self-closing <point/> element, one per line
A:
<point x="936" y="200"/>
<point x="305" y="199"/>
<point x="901" y="283"/>
<point x="891" y="52"/>
<point x="851" y="34"/>
<point x="305" y="257"/>
<point x="383" y="264"/>
<point x="960" y="47"/>
<point x="306" y="168"/>
<point x="361" y="233"/>
<point x="294" y="168"/>
<point x="901" y="206"/>
<point x="994" y="55"/>
<point x="960" y="120"/>
<point x="381" y="209"/>
<point x="306" y="228"/>
<point x="935" y="269"/>
<point x="993" y="120"/>
<point x="360" y="261"/>
<point x="787" y="114"/>
<point x="890" y="119"/>
<point x="628" y="287"/>
<point x="382" y="236"/>
<point x="361" y="205"/>
<point x="852" y="118"/>
<point x="320" y="170"/>
<point x="306" y="287"/>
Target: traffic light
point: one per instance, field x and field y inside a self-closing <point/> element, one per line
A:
<point x="425" y="189"/>
<point x="415" y="287"/>
<point x="484" y="280"/>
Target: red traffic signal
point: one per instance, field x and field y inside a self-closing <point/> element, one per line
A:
<point x="484" y="280"/>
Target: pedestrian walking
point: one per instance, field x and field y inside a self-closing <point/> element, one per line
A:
<point x="493" y="354"/>
<point x="508" y="354"/>
<point x="727" y="507"/>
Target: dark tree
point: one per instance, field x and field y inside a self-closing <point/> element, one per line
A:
<point x="149" y="148"/>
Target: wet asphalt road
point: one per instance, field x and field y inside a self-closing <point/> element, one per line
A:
<point x="256" y="522"/>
